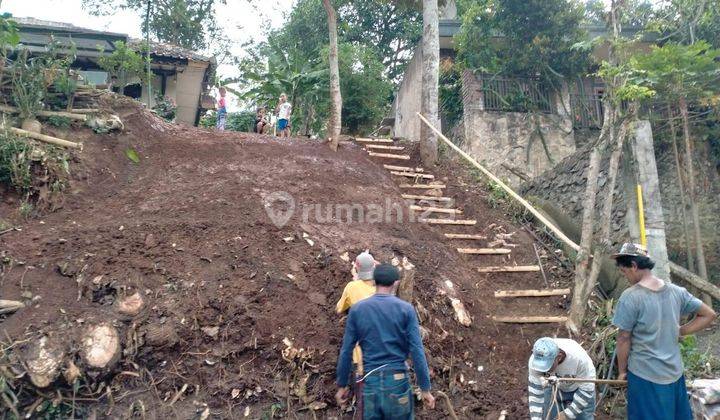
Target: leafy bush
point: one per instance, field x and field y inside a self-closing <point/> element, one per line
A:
<point x="123" y="63"/>
<point x="59" y="121"/>
<point x="697" y="363"/>
<point x="28" y="81"/>
<point x="165" y="108"/>
<point x="451" y="101"/>
<point x="243" y="121"/>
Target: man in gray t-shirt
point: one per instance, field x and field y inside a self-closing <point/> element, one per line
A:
<point x="648" y="315"/>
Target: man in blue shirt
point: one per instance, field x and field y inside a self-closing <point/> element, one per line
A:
<point x="648" y="315"/>
<point x="388" y="332"/>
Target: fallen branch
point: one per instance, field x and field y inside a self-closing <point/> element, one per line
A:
<point x="70" y="115"/>
<point x="47" y="139"/>
<point x="449" y="405"/>
<point x="695" y="280"/>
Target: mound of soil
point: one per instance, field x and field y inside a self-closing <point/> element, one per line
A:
<point x="239" y="316"/>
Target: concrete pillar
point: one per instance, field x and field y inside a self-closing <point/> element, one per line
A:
<point x="641" y="144"/>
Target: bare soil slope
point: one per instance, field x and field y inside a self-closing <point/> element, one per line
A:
<point x="244" y="308"/>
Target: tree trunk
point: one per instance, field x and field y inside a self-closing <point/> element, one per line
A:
<point x="692" y="196"/>
<point x="335" y="122"/>
<point x="430" y="75"/>
<point x="577" y="308"/>
<point x="681" y="187"/>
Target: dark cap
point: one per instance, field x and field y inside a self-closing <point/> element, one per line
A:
<point x="385" y="275"/>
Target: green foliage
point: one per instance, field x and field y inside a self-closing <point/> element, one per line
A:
<point x="235" y="121"/>
<point x="523" y="38"/>
<point x="165" y="108"/>
<point x="187" y="23"/>
<point x="14" y="165"/>
<point x="59" y="121"/>
<point x="123" y="63"/>
<point x="9" y="35"/>
<point x="697" y="363"/>
<point x="28" y="81"/>
<point x="132" y="155"/>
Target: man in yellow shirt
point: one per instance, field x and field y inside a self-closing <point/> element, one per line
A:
<point x="362" y="286"/>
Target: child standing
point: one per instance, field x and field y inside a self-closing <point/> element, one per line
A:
<point x="221" y="110"/>
<point x="260" y="120"/>
<point x="283" y="110"/>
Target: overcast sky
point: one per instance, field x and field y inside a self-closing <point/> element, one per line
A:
<point x="238" y="18"/>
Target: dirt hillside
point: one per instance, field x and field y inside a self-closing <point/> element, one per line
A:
<point x="244" y="309"/>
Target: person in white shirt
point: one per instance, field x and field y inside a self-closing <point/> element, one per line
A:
<point x="284" y="109"/>
<point x="562" y="358"/>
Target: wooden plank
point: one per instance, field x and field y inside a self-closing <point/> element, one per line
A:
<point x="484" y="251"/>
<point x="413" y="175"/>
<point x="367" y="140"/>
<point x="403" y="168"/>
<point x="436" y="210"/>
<point x="465" y="236"/>
<point x="510" y="269"/>
<point x="423" y="186"/>
<point x="425" y="197"/>
<point x="448" y="222"/>
<point x="530" y="319"/>
<point x="389" y="156"/>
<point x="383" y="147"/>
<point x="531" y="293"/>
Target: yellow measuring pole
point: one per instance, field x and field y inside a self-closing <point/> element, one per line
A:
<point x="641" y="216"/>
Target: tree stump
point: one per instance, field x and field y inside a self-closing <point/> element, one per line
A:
<point x="43" y="358"/>
<point x="131" y="306"/>
<point x="100" y="346"/>
<point x="161" y="335"/>
<point x="407" y="280"/>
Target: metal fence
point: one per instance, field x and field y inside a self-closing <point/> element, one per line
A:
<point x="515" y="94"/>
<point x="587" y="110"/>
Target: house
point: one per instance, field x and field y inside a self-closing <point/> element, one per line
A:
<point x="180" y="75"/>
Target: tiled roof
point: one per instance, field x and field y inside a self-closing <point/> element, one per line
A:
<point x="170" y="50"/>
<point x="31" y="22"/>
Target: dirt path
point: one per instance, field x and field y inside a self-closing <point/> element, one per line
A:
<point x="188" y="228"/>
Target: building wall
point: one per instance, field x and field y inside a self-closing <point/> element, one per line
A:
<point x="408" y="99"/>
<point x="511" y="143"/>
<point x="188" y="91"/>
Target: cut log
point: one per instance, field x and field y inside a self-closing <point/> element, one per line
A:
<point x="406" y="288"/>
<point x="423" y="186"/>
<point x="465" y="236"/>
<point x="9" y="306"/>
<point x="436" y="210"/>
<point x="531" y="293"/>
<point x="461" y="314"/>
<point x="413" y="175"/>
<point x="100" y="346"/>
<point x="530" y="319"/>
<point x="425" y="197"/>
<point x="403" y="168"/>
<point x="509" y="269"/>
<point x="70" y="115"/>
<point x="389" y="156"/>
<point x="85" y="110"/>
<point x="695" y="280"/>
<point x="484" y="251"/>
<point x="131" y="305"/>
<point x="448" y="222"/>
<point x="367" y="140"/>
<point x="383" y="147"/>
<point x="43" y="358"/>
<point x="47" y="139"/>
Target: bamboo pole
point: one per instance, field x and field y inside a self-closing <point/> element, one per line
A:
<point x="484" y="251"/>
<point x="70" y="115"/>
<point x="413" y="175"/>
<point x="403" y="168"/>
<point x="383" y="147"/>
<point x="448" y="222"/>
<point x="389" y="156"/>
<point x="367" y="140"/>
<point x="641" y="216"/>
<point x="507" y="189"/>
<point x="436" y="210"/>
<point x="531" y="293"/>
<point x="425" y="197"/>
<point x="465" y="236"/>
<point x="47" y="139"/>
<point x="423" y="186"/>
<point x="695" y="280"/>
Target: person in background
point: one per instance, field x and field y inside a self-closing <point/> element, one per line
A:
<point x="283" y="111"/>
<point x="562" y="358"/>
<point x="260" y="120"/>
<point x="388" y="331"/>
<point x="221" y="110"/>
<point x="648" y="316"/>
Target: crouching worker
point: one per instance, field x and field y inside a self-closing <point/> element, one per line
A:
<point x="388" y="332"/>
<point x="560" y="358"/>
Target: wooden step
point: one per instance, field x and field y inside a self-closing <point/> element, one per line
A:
<point x="413" y="175"/>
<point x="531" y="293"/>
<point x="425" y="197"/>
<point x="465" y="236"/>
<point x="448" y="222"/>
<point x="403" y="168"/>
<point x="423" y="186"/>
<point x="436" y="210"/>
<point x="484" y="251"/>
<point x="510" y="269"/>
<point x="389" y="156"/>
<point x="529" y="319"/>
<point x="383" y="147"/>
<point x="368" y="140"/>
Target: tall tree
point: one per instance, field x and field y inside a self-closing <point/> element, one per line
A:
<point x="187" y="23"/>
<point x="430" y="78"/>
<point x="335" y="120"/>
